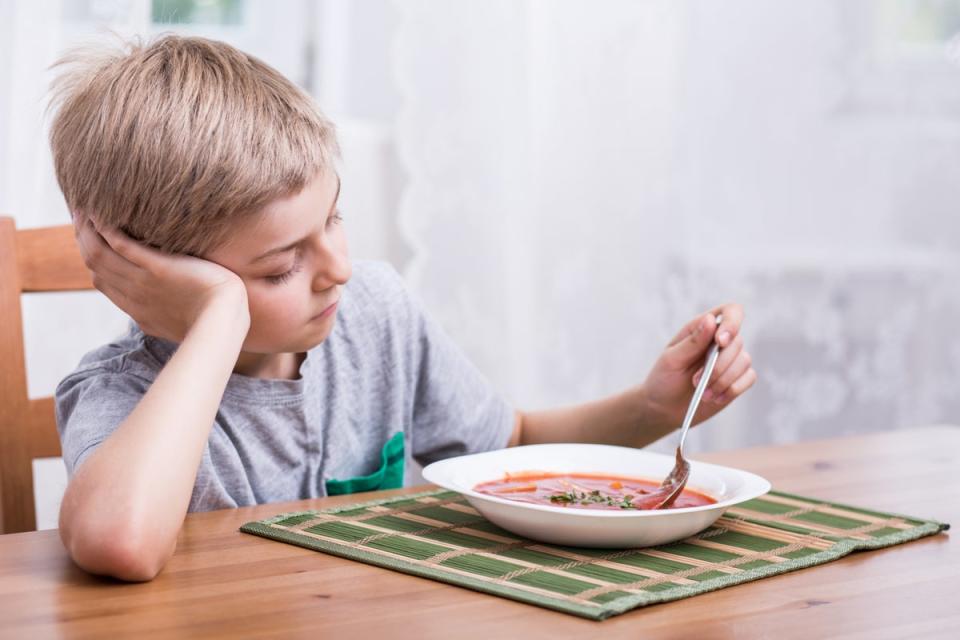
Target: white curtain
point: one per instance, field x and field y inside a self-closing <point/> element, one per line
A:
<point x="584" y="177"/>
<point x="579" y="178"/>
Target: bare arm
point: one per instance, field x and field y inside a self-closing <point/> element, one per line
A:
<point x="622" y="419"/>
<point x="645" y="413"/>
<point x="123" y="509"/>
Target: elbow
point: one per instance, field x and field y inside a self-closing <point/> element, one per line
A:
<point x="123" y="551"/>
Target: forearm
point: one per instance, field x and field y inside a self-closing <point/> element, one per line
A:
<point x="132" y="493"/>
<point x="624" y="419"/>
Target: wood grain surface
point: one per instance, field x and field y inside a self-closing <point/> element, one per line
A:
<point x="223" y="583"/>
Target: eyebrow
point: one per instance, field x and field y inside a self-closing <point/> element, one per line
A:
<point x="293" y="245"/>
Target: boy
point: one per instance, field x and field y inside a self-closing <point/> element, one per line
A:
<point x="204" y="194"/>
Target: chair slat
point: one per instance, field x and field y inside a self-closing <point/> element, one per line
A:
<point x="31" y="260"/>
<point x="16" y="482"/>
<point x="49" y="260"/>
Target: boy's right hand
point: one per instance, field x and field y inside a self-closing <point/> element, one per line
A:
<point x="165" y="294"/>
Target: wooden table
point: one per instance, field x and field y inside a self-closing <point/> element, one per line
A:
<point x="225" y="583"/>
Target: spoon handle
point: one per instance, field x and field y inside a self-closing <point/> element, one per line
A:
<point x="712" y="354"/>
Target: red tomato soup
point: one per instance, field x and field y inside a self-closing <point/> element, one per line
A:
<point x="585" y="491"/>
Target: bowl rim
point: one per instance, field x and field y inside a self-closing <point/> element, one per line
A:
<point x="763" y="486"/>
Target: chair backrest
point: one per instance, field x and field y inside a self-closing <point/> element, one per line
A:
<point x="31" y="260"/>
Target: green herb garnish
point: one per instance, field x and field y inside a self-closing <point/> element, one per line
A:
<point x="593" y="497"/>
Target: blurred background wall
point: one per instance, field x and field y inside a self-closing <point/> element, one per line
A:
<point x="564" y="183"/>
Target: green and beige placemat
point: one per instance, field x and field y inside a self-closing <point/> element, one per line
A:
<point x="438" y="535"/>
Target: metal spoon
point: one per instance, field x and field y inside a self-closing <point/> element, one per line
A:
<point x="674" y="483"/>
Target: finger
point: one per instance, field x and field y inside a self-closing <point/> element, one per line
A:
<point x="732" y="319"/>
<point x="737" y="389"/>
<point x="91" y="245"/>
<point x="685" y="332"/>
<point x="100" y="256"/>
<point x="689" y="350"/>
<point x="128" y="248"/>
<point x="739" y="367"/>
<point x="726" y="358"/>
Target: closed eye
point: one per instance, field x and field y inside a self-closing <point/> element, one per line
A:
<point x="280" y="278"/>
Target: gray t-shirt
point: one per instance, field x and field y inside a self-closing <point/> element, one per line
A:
<point x="386" y="368"/>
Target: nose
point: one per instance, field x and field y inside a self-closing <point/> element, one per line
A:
<point x="332" y="266"/>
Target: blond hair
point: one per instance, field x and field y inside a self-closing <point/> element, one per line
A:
<point x="175" y="140"/>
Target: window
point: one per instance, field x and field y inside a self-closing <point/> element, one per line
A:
<point x="905" y="59"/>
<point x="207" y="12"/>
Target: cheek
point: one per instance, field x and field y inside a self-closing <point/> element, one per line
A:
<point x="274" y="308"/>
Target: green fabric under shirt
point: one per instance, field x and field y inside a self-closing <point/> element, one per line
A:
<point x="388" y="476"/>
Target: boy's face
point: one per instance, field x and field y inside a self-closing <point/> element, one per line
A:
<point x="293" y="260"/>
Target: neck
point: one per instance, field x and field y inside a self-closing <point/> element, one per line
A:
<point x="281" y="366"/>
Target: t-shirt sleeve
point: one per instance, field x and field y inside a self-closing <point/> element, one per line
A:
<point x="456" y="409"/>
<point x="90" y="405"/>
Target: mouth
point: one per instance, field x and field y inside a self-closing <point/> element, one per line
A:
<point x="326" y="312"/>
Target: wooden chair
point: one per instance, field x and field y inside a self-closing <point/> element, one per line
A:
<point x="31" y="260"/>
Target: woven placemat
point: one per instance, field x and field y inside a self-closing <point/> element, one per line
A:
<point x="438" y="535"/>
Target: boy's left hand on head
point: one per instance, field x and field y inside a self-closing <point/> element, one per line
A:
<point x="671" y="383"/>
